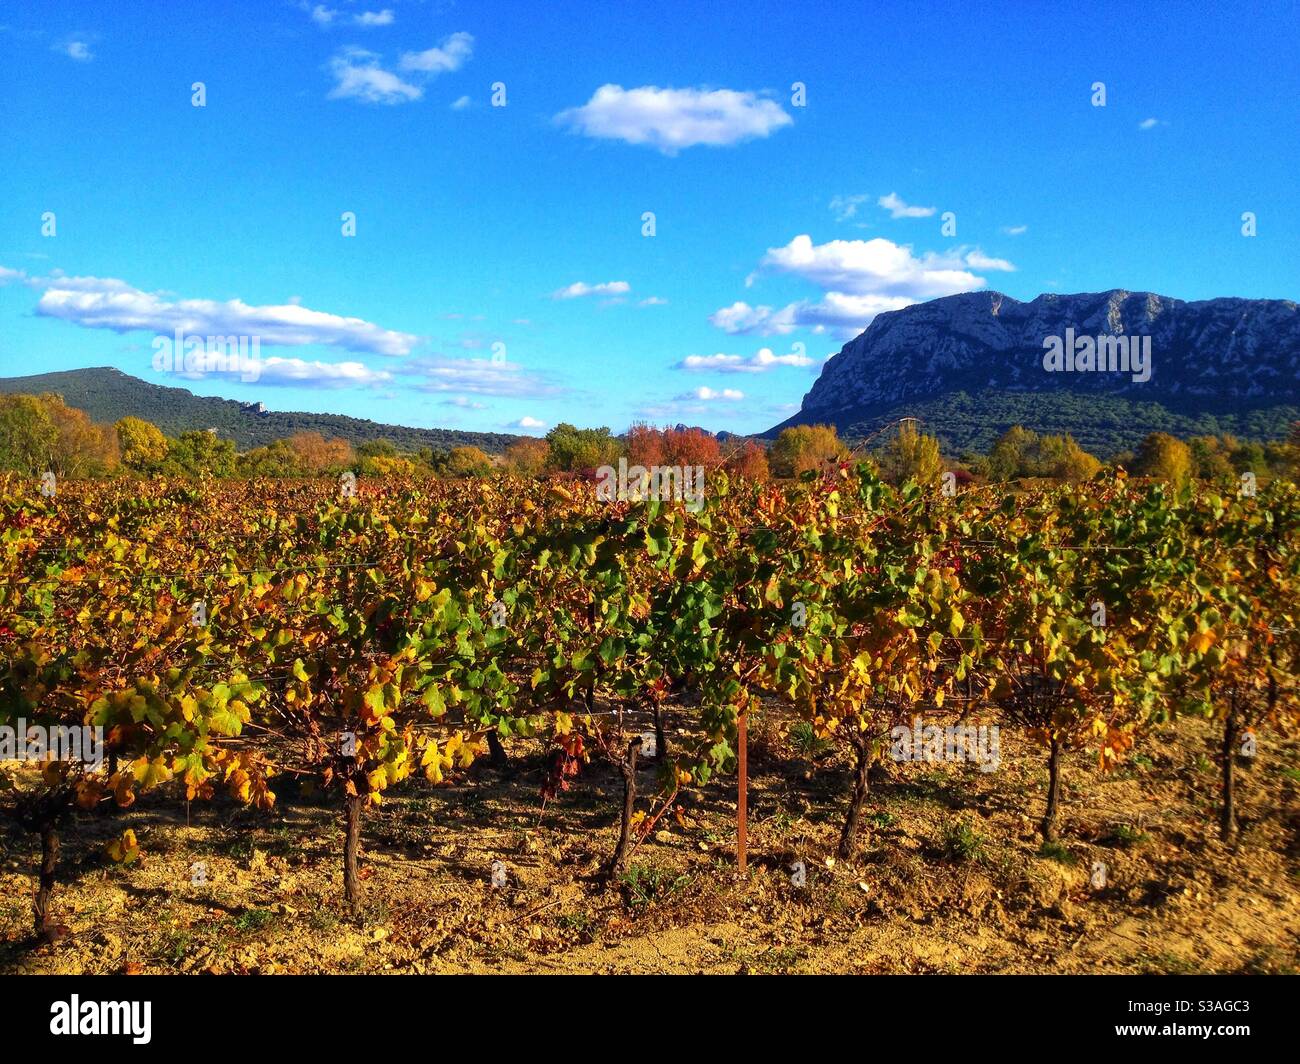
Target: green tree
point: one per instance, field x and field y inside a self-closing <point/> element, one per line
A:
<point x="197" y="453"/>
<point x="433" y="459"/>
<point x="575" y="449"/>
<point x="468" y="462"/>
<point x="1164" y="457"/>
<point x="28" y="435"/>
<point x="803" y="447"/>
<point x="376" y="449"/>
<point x="1211" y="458"/>
<point x="276" y="459"/>
<point x="143" y="445"/>
<point x="1249" y="456"/>
<point x="1061" y="458"/>
<point x="1009" y="456"/>
<point x="912" y="455"/>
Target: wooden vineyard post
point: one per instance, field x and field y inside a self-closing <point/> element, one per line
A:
<point x="742" y="757"/>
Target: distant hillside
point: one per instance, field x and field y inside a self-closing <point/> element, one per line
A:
<point x="107" y="394"/>
<point x="972" y="365"/>
<point x="1102" y="425"/>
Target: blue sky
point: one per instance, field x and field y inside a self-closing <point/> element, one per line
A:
<point x="781" y="225"/>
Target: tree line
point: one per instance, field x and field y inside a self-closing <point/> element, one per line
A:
<point x="40" y="433"/>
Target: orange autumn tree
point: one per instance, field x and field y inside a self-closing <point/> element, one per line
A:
<point x="645" y="445"/>
<point x="648" y="446"/>
<point x="315" y="454"/>
<point x="691" y="447"/>
<point x="527" y="457"/>
<point x="749" y="460"/>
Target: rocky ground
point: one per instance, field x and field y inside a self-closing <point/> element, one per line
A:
<point x="950" y="876"/>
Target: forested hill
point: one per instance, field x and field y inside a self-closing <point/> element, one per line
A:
<point x="107" y="394"/>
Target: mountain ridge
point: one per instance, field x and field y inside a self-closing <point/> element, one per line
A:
<point x="1227" y="364"/>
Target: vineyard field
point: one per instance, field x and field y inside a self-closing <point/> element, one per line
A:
<point x="405" y="725"/>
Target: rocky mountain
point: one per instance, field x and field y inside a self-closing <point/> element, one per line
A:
<point x="107" y="394"/>
<point x="1119" y="365"/>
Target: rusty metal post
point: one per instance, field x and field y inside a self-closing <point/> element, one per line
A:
<point x="742" y="793"/>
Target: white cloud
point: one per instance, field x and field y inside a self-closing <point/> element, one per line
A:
<point x="672" y="119"/>
<point x="326" y="16"/>
<point x="846" y="314"/>
<point x="277" y="372"/>
<point x="845" y="207"/>
<point x="719" y="363"/>
<point x="1015" y="230"/>
<point x="898" y="209"/>
<point x="875" y="267"/>
<point x="460" y="103"/>
<point x="741" y="318"/>
<point x="296" y="372"/>
<point x="1149" y="123"/>
<point x="464" y="403"/>
<point x="358" y="76"/>
<point x="760" y="362"/>
<point x="580" y="288"/>
<point x="476" y="376"/>
<point x="110" y="303"/>
<point x="527" y="422"/>
<point x="319" y="13"/>
<point x="709" y="395"/>
<point x="977" y="260"/>
<point x="451" y="54"/>
<point x="361" y="75"/>
<point x="653" y="301"/>
<point x="75" y="48"/>
<point x="859" y="279"/>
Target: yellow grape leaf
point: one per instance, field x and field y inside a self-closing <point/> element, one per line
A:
<point x="124" y="849"/>
<point x="461" y="751"/>
<point x="123" y="795"/>
<point x="150" y="773"/>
